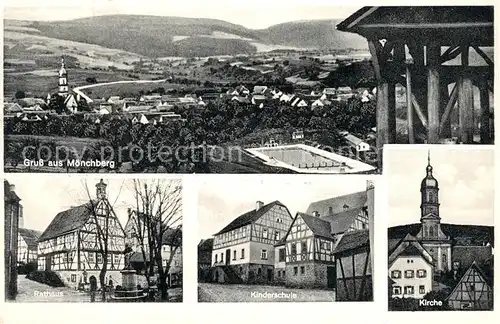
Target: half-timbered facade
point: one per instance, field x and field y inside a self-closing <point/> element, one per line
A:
<point x="27" y="245"/>
<point x="73" y="244"/>
<point x="473" y="292"/>
<point x="353" y="267"/>
<point x="308" y="253"/>
<point x="244" y="251"/>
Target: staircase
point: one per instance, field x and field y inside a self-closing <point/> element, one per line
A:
<point x="231" y="275"/>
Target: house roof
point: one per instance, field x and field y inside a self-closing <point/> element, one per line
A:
<point x="206" y="244"/>
<point x="340" y="222"/>
<point x="409" y="246"/>
<point x="30" y="237"/>
<point x="353" y="200"/>
<point x="317" y="225"/>
<point x="475" y="23"/>
<point x="353" y="240"/>
<point x="249" y="217"/>
<point x="8" y="194"/>
<point x="473" y="268"/>
<point x="67" y="221"/>
<point x="353" y="139"/>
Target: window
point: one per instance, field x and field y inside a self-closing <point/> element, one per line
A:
<point x="259" y="271"/>
<point x="409" y="290"/>
<point x="421" y="289"/>
<point x="281" y="255"/>
<point x="216" y="258"/>
<point x="431" y="231"/>
<point x="116" y="259"/>
<point x="326" y="245"/>
<point x="109" y="258"/>
<point x="263" y="254"/>
<point x="99" y="257"/>
<point x="471" y="287"/>
<point x="279" y="220"/>
<point x="409" y="274"/>
<point x="421" y="273"/>
<point x="283" y="272"/>
<point x="396" y="290"/>
<point x="277" y="235"/>
<point x="221" y="257"/>
<point x="242" y="253"/>
<point x="396" y="274"/>
<point x="91" y="257"/>
<point x="264" y="233"/>
<point x="303" y="247"/>
<point x="302" y="270"/>
<point x="295" y="270"/>
<point x="73" y="278"/>
<point x="234" y="255"/>
<point x="65" y="257"/>
<point x="456" y="265"/>
<point x="294" y="249"/>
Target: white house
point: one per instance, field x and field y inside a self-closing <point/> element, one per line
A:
<point x="410" y="269"/>
<point x="357" y="143"/>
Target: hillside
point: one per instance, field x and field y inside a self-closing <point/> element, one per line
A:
<point x="154" y="36"/>
<point x="312" y="33"/>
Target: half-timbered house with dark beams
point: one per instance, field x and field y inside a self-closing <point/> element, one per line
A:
<point x="353" y="267"/>
<point x="27" y="245"/>
<point x="474" y="291"/>
<point x="308" y="247"/>
<point x="243" y="251"/>
<point x="71" y="244"/>
<point x="171" y="243"/>
<point x="308" y="255"/>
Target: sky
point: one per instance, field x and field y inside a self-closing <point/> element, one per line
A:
<point x="44" y="196"/>
<point x="248" y="13"/>
<point x="465" y="178"/>
<point x="222" y="199"/>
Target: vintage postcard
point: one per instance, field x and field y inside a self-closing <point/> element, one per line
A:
<point x="441" y="234"/>
<point x="288" y="241"/>
<point x="92" y="240"/>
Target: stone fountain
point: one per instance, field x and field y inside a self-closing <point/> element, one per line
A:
<point x="128" y="291"/>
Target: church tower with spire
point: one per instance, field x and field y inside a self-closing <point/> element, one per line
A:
<point x="63" y="80"/>
<point x="431" y="235"/>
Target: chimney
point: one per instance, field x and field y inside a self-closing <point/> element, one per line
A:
<point x="258" y="205"/>
<point x="315" y="213"/>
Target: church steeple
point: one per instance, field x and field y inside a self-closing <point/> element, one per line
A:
<point x="429" y="190"/>
<point x="63" y="80"/>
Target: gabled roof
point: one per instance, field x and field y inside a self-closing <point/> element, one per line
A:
<point x="353" y="240"/>
<point x="8" y="194"/>
<point x="206" y="244"/>
<point x="249" y="217"/>
<point x="476" y="22"/>
<point x="318" y="226"/>
<point x="354" y="200"/>
<point x="353" y="139"/>
<point x="473" y="268"/>
<point x="409" y="246"/>
<point x="340" y="222"/>
<point x="67" y="221"/>
<point x="30" y="237"/>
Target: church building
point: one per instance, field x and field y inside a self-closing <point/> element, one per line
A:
<point x="69" y="99"/>
<point x="431" y="255"/>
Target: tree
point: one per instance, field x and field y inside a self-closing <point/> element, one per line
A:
<point x="159" y="204"/>
<point x="20" y="94"/>
<point x="101" y="212"/>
